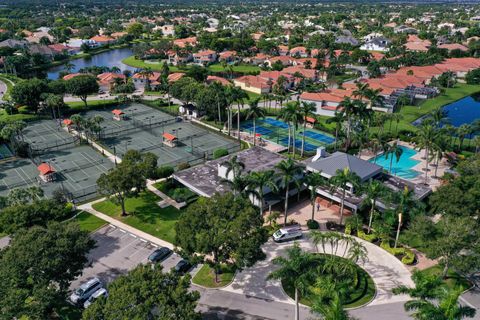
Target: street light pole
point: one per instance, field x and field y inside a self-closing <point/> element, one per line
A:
<point x="398" y="229"/>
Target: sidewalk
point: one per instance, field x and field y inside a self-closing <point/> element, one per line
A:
<point x="146" y="236"/>
<point x="165" y="199"/>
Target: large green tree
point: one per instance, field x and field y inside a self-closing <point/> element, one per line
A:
<point x="29" y="93"/>
<point x="37" y="267"/>
<point x="226" y="228"/>
<point x="82" y="86"/>
<point x="147" y="293"/>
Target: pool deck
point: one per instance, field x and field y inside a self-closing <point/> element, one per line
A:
<point x="432" y="181"/>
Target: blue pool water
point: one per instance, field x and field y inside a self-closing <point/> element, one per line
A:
<point x="402" y="168"/>
<point x="463" y="111"/>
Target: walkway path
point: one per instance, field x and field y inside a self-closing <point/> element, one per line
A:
<point x="386" y="271"/>
<point x="88" y="207"/>
<point x="3" y="90"/>
<point x="165" y="199"/>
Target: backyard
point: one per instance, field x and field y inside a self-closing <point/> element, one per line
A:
<point x="144" y="214"/>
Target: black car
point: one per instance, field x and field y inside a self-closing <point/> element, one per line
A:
<point x="159" y="254"/>
<point x="182" y="266"/>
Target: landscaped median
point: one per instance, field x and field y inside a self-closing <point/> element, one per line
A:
<point x="88" y="222"/>
<point x="205" y="277"/>
<point x="144" y="214"/>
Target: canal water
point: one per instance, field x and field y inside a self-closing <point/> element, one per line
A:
<point x="112" y="58"/>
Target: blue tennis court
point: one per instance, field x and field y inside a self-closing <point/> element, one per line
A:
<point x="298" y="144"/>
<point x="258" y="129"/>
<point x="319" y="136"/>
<point x="275" y="123"/>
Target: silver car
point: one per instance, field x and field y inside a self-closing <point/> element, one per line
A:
<point x="102" y="292"/>
<point x="84" y="292"/>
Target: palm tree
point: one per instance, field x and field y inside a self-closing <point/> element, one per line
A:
<point x="342" y="180"/>
<point x="288" y="172"/>
<point x="233" y="165"/>
<point x="359" y="139"/>
<point x="476" y="141"/>
<point x="287" y="114"/>
<point x="377" y="142"/>
<point x="373" y="190"/>
<point x="338" y="119"/>
<point x="262" y="180"/>
<point x="425" y="138"/>
<point x="294" y="268"/>
<point x="349" y="110"/>
<point x="433" y="299"/>
<point x="438" y="116"/>
<point x="240" y="186"/>
<point x="313" y="181"/>
<point x="397" y="117"/>
<point x="307" y="109"/>
<point x="462" y="132"/>
<point x="393" y="150"/>
<point x="333" y="309"/>
<point x="254" y="112"/>
<point x="239" y="96"/>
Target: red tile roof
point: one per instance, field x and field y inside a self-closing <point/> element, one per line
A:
<point x="221" y="80"/>
<point x="117" y="112"/>
<point x="173" y="77"/>
<point x="45" y="169"/>
<point x="102" y="39"/>
<point x="72" y="75"/>
<point x="169" y="136"/>
<point x="67" y="122"/>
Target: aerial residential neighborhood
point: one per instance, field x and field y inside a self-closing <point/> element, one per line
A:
<point x="239" y="160"/>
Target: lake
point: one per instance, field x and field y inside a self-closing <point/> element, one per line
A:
<point x="463" y="111"/>
<point x="112" y="58"/>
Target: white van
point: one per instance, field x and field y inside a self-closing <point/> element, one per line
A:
<point x="287" y="233"/>
<point x="102" y="292"/>
<point x="85" y="291"/>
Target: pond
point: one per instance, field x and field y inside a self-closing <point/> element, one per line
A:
<point x="463" y="111"/>
<point x="112" y="58"/>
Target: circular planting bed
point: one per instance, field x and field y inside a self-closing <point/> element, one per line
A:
<point x="362" y="288"/>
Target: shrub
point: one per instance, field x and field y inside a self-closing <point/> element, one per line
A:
<point x="220" y="153"/>
<point x="348" y="229"/>
<point x="183" y="166"/>
<point x="182" y="194"/>
<point x="367" y="237"/>
<point x="312" y="224"/>
<point x="409" y="257"/>
<point x="394" y="251"/>
<point x="164" y="172"/>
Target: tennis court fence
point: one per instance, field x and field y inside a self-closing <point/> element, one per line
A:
<point x="135" y="125"/>
<point x="19" y="184"/>
<point x="78" y="167"/>
<point x="42" y="147"/>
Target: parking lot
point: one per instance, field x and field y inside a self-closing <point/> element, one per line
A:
<point x="116" y="253"/>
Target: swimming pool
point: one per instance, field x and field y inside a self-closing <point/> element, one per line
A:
<point x="402" y="168"/>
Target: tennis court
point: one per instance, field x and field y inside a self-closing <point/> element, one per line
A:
<point x="5" y="152"/>
<point x="143" y="128"/>
<point x="277" y="131"/>
<point x="45" y="135"/>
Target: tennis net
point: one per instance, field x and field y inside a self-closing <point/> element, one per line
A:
<point x="81" y="166"/>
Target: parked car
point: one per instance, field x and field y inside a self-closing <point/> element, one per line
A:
<point x="182" y="266"/>
<point x="102" y="292"/>
<point x="287" y="233"/>
<point x="84" y="292"/>
<point x="159" y="254"/>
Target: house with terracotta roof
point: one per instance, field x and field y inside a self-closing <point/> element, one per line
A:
<point x="222" y="81"/>
<point x="185" y="42"/>
<point x="118" y="35"/>
<point x="99" y="41"/>
<point x="311" y="74"/>
<point x="107" y="80"/>
<point x="228" y="56"/>
<point x="205" y="57"/>
<point x="285" y="60"/>
<point x="72" y="75"/>
<point x="258" y="59"/>
<point x="283" y="50"/>
<point x="175" y="76"/>
<point x="255" y="84"/>
<point x="63" y="49"/>
<point x="141" y="81"/>
<point x="414" y="43"/>
<point x="256" y="36"/>
<point x="453" y="46"/>
<point x="299" y="52"/>
<point x="177" y="57"/>
<point x="326" y="102"/>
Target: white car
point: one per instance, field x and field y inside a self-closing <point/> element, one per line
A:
<point x="102" y="292"/>
<point x="287" y="233"/>
<point x="84" y="292"/>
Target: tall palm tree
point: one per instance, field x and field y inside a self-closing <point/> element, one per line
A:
<point x="307" y="110"/>
<point x="288" y="170"/>
<point x="393" y="150"/>
<point x="239" y="96"/>
<point x="240" y="186"/>
<point x="373" y="190"/>
<point x="338" y="119"/>
<point x="294" y="267"/>
<point x="333" y="309"/>
<point x="397" y="117"/>
<point x="349" y="110"/>
<point x="377" y="142"/>
<point x="342" y="180"/>
<point x="254" y="112"/>
<point x="313" y="181"/>
<point x="287" y="114"/>
<point x="462" y="132"/>
<point x="262" y="180"/>
<point x="425" y="139"/>
<point x="233" y="165"/>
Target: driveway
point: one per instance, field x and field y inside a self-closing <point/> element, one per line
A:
<point x="117" y="252"/>
<point x="386" y="271"/>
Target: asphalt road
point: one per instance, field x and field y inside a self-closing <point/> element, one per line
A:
<point x="3" y="89"/>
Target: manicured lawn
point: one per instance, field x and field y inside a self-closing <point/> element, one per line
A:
<point x="453" y="279"/>
<point x="242" y="68"/>
<point x="145" y="215"/>
<point x="412" y="113"/>
<point x="9" y="81"/>
<point x="89" y="222"/>
<point x="17" y="117"/>
<point x="206" y="276"/>
<point x="79" y="105"/>
<point x="133" y="62"/>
